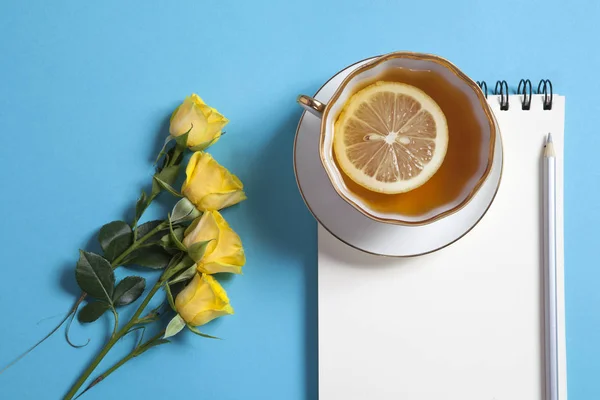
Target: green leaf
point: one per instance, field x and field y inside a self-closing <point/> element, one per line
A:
<point x="204" y="335"/>
<point x="111" y="231"/>
<point x="165" y="177"/>
<point x="165" y="186"/>
<point x="167" y="160"/>
<point x="156" y="188"/>
<point x="172" y="158"/>
<point x="92" y="311"/>
<point x="174" y="327"/>
<point x="170" y="296"/>
<point x="163" y="151"/>
<point x="95" y="276"/>
<point x="175" y="265"/>
<point x="152" y="257"/>
<point x="181" y="140"/>
<point x="197" y="250"/>
<point x="176" y="259"/>
<point x="184" y="211"/>
<point x="141" y="205"/>
<point x="128" y="290"/>
<point x="174" y="238"/>
<point x="168" y="174"/>
<point x="145" y="228"/>
<point x="166" y="241"/>
<point x="177" y="156"/>
<point x="185" y="275"/>
<point x="174" y="269"/>
<point x="115" y="237"/>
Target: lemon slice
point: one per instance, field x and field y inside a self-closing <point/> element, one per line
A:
<point x="390" y="137"/>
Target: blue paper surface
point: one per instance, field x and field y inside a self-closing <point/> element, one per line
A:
<point x="86" y="90"/>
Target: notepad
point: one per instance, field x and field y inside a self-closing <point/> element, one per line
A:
<point x="462" y="323"/>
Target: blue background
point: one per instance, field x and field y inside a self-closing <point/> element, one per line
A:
<point x="85" y="94"/>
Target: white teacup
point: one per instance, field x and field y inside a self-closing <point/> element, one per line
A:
<point x="460" y="84"/>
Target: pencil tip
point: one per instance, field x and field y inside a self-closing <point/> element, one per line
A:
<point x="549" y="139"/>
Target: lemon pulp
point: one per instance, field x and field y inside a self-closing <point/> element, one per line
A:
<point x="390" y="137"/>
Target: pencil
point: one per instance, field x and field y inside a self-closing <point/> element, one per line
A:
<point x="550" y="311"/>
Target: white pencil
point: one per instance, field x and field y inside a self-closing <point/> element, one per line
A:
<point x="550" y="312"/>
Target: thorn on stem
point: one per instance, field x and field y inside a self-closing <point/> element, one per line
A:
<point x="91" y="385"/>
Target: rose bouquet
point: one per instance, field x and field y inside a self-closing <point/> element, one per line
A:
<point x="191" y="244"/>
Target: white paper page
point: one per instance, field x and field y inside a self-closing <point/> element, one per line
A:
<point x="465" y="322"/>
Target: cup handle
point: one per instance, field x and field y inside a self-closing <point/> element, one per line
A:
<point x="311" y="105"/>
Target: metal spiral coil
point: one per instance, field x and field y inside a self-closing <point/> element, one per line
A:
<point x="483" y="86"/>
<point x="503" y="92"/>
<point x="525" y="90"/>
<point x="545" y="88"/>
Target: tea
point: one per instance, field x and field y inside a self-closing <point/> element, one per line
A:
<point x="462" y="160"/>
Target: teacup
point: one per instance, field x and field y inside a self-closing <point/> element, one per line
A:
<point x="472" y="132"/>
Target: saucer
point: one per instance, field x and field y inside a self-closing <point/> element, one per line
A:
<point x="361" y="232"/>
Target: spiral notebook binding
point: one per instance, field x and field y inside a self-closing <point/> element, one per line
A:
<point x="503" y="92"/>
<point x="526" y="103"/>
<point x="547" y="99"/>
<point x="525" y="89"/>
<point x="483" y="86"/>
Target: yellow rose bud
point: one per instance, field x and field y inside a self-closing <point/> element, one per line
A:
<point x="205" y="122"/>
<point x="209" y="185"/>
<point x="202" y="300"/>
<point x="224" y="253"/>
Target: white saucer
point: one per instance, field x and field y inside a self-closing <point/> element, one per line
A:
<point x="361" y="232"/>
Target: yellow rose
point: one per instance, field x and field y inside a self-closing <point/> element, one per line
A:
<point x="202" y="300"/>
<point x="224" y="253"/>
<point x="209" y="185"/>
<point x="205" y="122"/>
